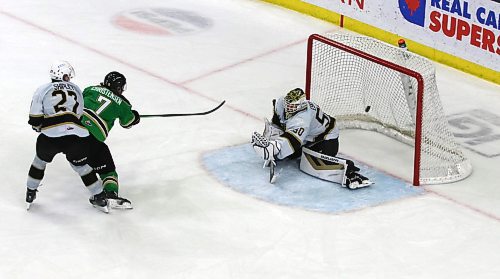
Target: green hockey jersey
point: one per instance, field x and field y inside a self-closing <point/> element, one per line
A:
<point x="102" y="108"/>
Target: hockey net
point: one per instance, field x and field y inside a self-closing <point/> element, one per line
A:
<point x="368" y="84"/>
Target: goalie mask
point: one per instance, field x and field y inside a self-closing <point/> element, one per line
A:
<point x="61" y="69"/>
<point x="294" y="102"/>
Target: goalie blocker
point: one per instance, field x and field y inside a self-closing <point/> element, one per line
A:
<point x="334" y="169"/>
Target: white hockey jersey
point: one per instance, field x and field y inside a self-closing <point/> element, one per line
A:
<point x="308" y="125"/>
<point x="56" y="108"/>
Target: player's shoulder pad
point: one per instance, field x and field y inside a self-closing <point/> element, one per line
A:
<point x="124" y="99"/>
<point x="42" y="90"/>
<point x="89" y="87"/>
<point x="75" y="85"/>
<point x="304" y="106"/>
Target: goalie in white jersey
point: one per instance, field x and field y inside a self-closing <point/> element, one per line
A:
<point x="300" y="128"/>
<point x="56" y="109"/>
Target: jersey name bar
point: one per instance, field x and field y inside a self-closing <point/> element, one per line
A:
<point x="64" y="86"/>
<point x="109" y="94"/>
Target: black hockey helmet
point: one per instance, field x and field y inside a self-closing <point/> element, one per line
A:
<point x="115" y="82"/>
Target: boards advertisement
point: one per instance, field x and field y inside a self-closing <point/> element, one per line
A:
<point x="466" y="29"/>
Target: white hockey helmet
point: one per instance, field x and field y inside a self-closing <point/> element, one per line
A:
<point x="294" y="102"/>
<point x="61" y="68"/>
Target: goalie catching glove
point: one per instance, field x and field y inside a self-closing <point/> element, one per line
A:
<point x="266" y="149"/>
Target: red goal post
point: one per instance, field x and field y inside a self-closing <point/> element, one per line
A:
<point x="367" y="84"/>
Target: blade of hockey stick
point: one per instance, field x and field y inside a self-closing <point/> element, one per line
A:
<point x="271" y="172"/>
<point x="184" y="114"/>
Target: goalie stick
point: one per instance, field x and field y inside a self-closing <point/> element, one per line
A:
<point x="272" y="178"/>
<point x="273" y="174"/>
<point x="184" y="114"/>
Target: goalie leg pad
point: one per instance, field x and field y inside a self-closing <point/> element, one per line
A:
<point x="323" y="166"/>
<point x="334" y="169"/>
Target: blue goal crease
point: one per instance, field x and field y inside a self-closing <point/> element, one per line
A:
<point x="241" y="169"/>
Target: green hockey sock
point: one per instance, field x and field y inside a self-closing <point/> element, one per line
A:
<point x="110" y="181"/>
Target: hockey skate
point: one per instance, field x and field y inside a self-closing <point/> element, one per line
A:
<point x="355" y="180"/>
<point x="30" y="197"/>
<point x="100" y="202"/>
<point x="117" y="202"/>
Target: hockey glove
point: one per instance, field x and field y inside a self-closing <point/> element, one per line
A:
<point x="266" y="149"/>
<point x="37" y="129"/>
<point x="137" y="118"/>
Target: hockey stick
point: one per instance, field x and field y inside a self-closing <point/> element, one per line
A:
<point x="184" y="114"/>
<point x="272" y="175"/>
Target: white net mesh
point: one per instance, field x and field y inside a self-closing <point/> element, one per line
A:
<point x="369" y="95"/>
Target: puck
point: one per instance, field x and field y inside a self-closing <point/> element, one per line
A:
<point x="367" y="109"/>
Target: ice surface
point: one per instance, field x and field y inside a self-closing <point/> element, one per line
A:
<point x="185" y="222"/>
